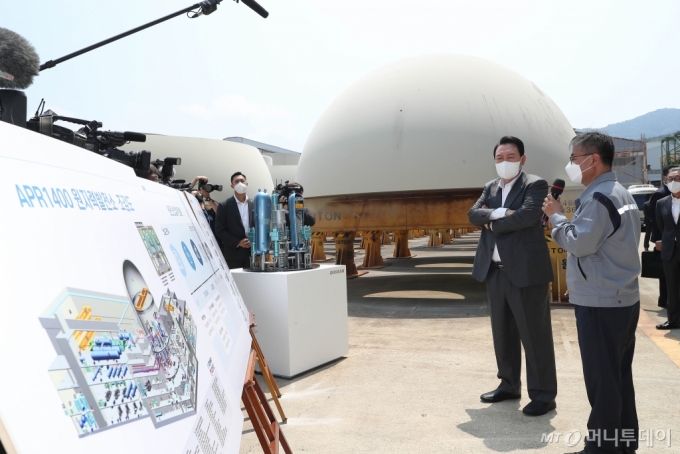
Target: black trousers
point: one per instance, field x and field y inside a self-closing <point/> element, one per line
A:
<point x="606" y="337"/>
<point x="671" y="269"/>
<point x="663" y="292"/>
<point x="521" y="317"/>
<point x="648" y="233"/>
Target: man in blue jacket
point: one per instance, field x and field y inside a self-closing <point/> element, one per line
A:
<point x="603" y="266"/>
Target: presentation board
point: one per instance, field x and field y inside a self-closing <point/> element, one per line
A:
<point x="122" y="329"/>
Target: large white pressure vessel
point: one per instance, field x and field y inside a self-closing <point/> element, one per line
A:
<point x="430" y="123"/>
<point x="216" y="159"/>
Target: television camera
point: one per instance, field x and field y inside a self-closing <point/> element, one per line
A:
<point x="103" y="143"/>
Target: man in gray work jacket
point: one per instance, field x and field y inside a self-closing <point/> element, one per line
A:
<point x="603" y="266"/>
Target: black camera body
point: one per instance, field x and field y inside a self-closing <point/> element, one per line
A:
<point x="209" y="187"/>
<point x="103" y="143"/>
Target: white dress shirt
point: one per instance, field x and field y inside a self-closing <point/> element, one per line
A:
<point x="499" y="213"/>
<point x="675" y="208"/>
<point x="243" y="211"/>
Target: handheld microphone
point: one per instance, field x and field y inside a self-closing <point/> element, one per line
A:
<point x="19" y="63"/>
<point x="556" y="190"/>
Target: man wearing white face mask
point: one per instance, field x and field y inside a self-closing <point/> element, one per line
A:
<point x="234" y="219"/>
<point x="603" y="266"/>
<point x="668" y="222"/>
<point x="512" y="257"/>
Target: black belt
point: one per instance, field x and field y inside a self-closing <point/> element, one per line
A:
<point x="498" y="265"/>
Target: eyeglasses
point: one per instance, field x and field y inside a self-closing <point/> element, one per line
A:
<point x="675" y="178"/>
<point x="572" y="157"/>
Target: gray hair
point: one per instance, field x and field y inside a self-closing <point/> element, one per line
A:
<point x="595" y="142"/>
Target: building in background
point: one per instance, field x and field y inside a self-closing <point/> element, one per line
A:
<point x="630" y="160"/>
<point x="282" y="163"/>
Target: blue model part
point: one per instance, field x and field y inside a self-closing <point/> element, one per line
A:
<point x="251" y="238"/>
<point x="125" y="370"/>
<point x="306" y="232"/>
<point x="276" y="238"/>
<point x="90" y="419"/>
<point x="96" y="372"/>
<point x="102" y="341"/>
<point x="292" y="221"/>
<point x="104" y="355"/>
<point x="82" y="421"/>
<point x="134" y="390"/>
<point x="124" y="336"/>
<point x="262" y="206"/>
<point x="110" y="372"/>
<point x="81" y="404"/>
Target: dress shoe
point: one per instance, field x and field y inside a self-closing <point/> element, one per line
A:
<point x="668" y="325"/>
<point x="498" y="396"/>
<point x="538" y="408"/>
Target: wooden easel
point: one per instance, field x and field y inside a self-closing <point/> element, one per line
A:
<point x="264" y="368"/>
<point x="260" y="413"/>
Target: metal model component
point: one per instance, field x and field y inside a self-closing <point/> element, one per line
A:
<point x="279" y="242"/>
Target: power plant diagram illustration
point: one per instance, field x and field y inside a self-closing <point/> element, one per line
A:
<point x="122" y="358"/>
<point x="154" y="248"/>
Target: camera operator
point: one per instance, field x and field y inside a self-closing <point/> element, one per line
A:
<point x="307" y="217"/>
<point x="152" y="174"/>
<point x="208" y="205"/>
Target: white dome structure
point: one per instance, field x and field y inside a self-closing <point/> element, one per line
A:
<point x="430" y="123"/>
<point x="216" y="159"/>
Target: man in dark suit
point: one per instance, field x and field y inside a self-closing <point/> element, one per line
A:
<point x="234" y="219"/>
<point x="656" y="233"/>
<point x="513" y="258"/>
<point x="647" y="211"/>
<point x="667" y="214"/>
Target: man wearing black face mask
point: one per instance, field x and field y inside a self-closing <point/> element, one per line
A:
<point x="513" y="258"/>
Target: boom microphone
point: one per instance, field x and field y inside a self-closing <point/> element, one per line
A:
<point x="556" y="190"/>
<point x="252" y="4"/>
<point x="19" y="62"/>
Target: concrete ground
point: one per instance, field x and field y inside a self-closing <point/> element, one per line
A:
<point x="420" y="355"/>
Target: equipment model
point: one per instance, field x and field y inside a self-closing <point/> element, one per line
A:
<point x="279" y="241"/>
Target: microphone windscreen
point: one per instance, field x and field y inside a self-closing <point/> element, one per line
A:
<point x="252" y="4"/>
<point x="134" y="136"/>
<point x="19" y="59"/>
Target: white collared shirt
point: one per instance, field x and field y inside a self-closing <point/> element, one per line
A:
<point x="243" y="211"/>
<point x="499" y="213"/>
<point x="675" y="208"/>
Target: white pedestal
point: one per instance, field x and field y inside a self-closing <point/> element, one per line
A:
<point x="301" y="316"/>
